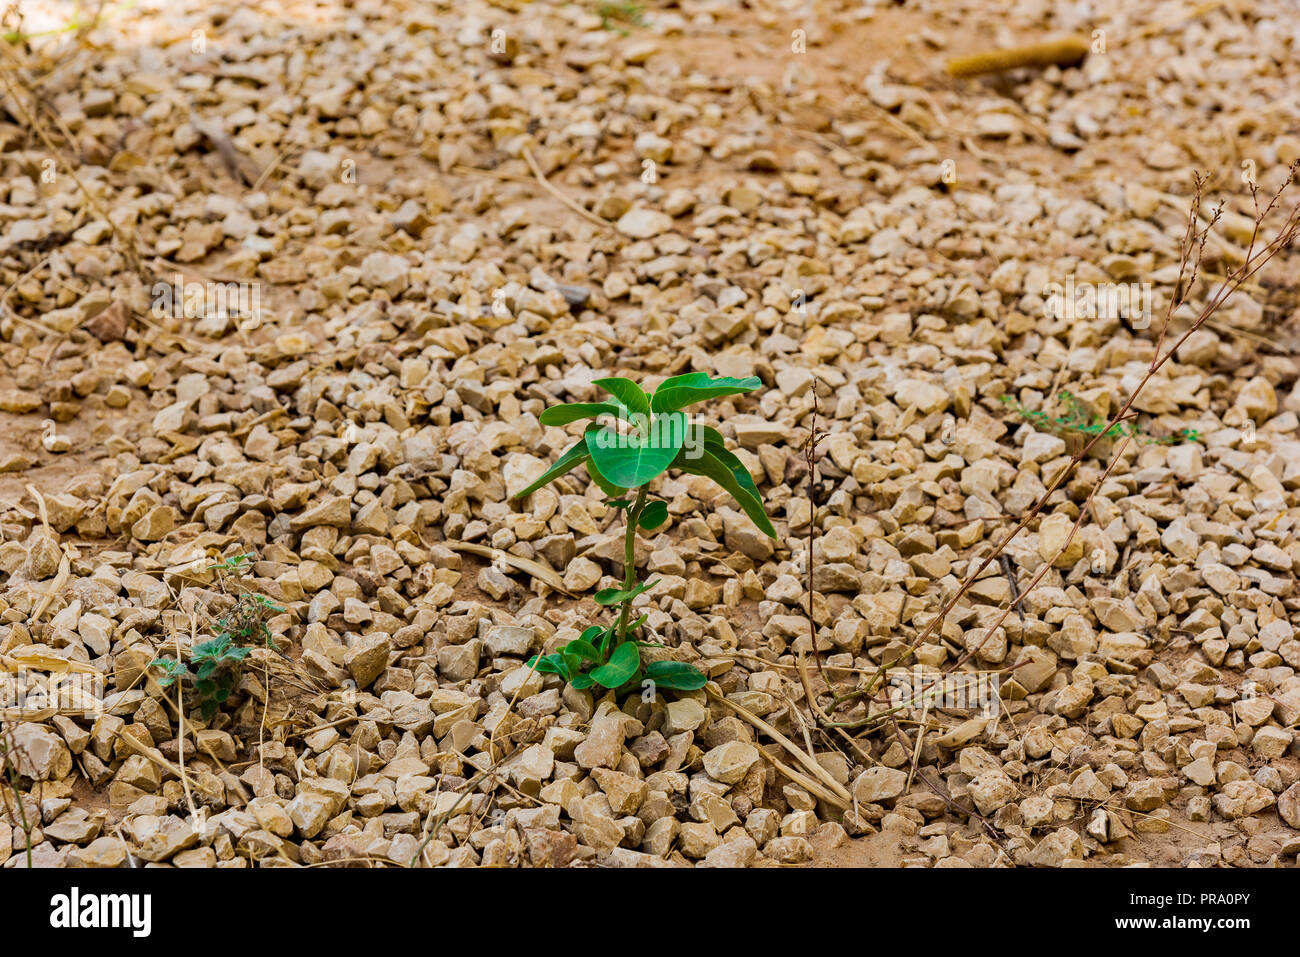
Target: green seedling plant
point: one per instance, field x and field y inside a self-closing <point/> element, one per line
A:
<point x="215" y="665"/>
<point x="1079" y="420"/>
<point x="634" y="438"/>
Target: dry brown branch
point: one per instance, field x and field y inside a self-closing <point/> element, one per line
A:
<point x="1192" y="251"/>
<point x="127" y="242"/>
<point x="1067" y="51"/>
<point x="570" y="203"/>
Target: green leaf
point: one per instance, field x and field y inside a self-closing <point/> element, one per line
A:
<point x="627" y="392"/>
<point x="212" y="648"/>
<point x="222" y="694"/>
<point x="573" y="411"/>
<point x="166" y="682"/>
<point x="653" y="515"/>
<point x="206" y="669"/>
<point x="676" y="675"/>
<point x="683" y="390"/>
<point x="582" y="682"/>
<point x="618" y="502"/>
<point x="208" y="708"/>
<point x="205" y="686"/>
<point x="605" y="485"/>
<point x="623" y="664"/>
<point x="710" y="466"/>
<point x="609" y="596"/>
<point x="582" y="650"/>
<point x="633" y="458"/>
<point x="615" y="596"/>
<point x="573" y="456"/>
<point x="714" y="443"/>
<point x="549" y="664"/>
<point x="590" y="632"/>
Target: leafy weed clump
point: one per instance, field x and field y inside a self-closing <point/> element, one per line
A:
<point x="1080" y="421"/>
<point x="215" y="665"/>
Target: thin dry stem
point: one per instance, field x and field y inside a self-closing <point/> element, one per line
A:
<point x="1191" y="255"/>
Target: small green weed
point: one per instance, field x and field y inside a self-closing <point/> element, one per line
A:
<point x="1078" y="420"/>
<point x="631" y="14"/>
<point x="215" y="664"/>
<point x="76" y="24"/>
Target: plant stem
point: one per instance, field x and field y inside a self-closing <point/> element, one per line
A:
<point x="10" y="770"/>
<point x="629" y="561"/>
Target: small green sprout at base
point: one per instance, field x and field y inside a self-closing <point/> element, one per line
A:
<point x="624" y="464"/>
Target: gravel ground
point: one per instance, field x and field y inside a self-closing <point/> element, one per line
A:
<point x="426" y="222"/>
